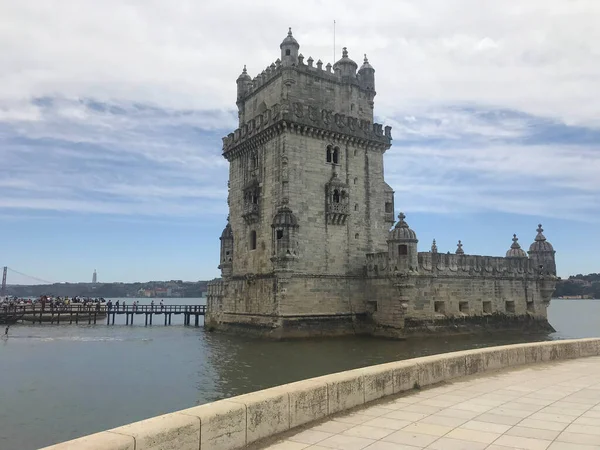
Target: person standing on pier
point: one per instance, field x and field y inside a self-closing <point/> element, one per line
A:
<point x="152" y="305"/>
<point x="162" y="306"/>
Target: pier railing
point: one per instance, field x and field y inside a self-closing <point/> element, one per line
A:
<point x="91" y="312"/>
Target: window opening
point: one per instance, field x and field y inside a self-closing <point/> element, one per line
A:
<point x="402" y="250"/>
<point x="463" y="307"/>
<point x="388" y="207"/>
<point x="287" y="52"/>
<point x="253" y="240"/>
<point x="487" y="307"/>
<point x="336" y="155"/>
<point x="510" y="307"/>
<point x="439" y="307"/>
<point x="279" y="234"/>
<point x="336" y="196"/>
<point x="329" y="153"/>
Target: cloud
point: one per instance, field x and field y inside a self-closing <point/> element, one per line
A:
<point x="118" y="107"/>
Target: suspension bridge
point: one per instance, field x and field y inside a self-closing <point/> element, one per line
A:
<point x="30" y="278"/>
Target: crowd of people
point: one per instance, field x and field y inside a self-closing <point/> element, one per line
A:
<point x="62" y="303"/>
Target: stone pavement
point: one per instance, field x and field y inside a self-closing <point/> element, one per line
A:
<point x="554" y="406"/>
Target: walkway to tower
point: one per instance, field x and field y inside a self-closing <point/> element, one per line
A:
<point x="553" y="406"/>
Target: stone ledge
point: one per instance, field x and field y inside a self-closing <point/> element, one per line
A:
<point x="236" y="422"/>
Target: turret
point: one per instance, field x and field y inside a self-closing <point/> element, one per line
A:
<point x="242" y="83"/>
<point x="542" y="254"/>
<point x="366" y="76"/>
<point x="284" y="240"/>
<point x="289" y="50"/>
<point x="226" y="238"/>
<point x="346" y="66"/>
<point x="402" y="247"/>
<point x="515" y="250"/>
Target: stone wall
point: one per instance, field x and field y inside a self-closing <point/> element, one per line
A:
<point x="239" y="421"/>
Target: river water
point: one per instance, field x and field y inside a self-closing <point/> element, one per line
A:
<point x="58" y="382"/>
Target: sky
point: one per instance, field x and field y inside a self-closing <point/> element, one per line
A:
<point x="112" y="113"/>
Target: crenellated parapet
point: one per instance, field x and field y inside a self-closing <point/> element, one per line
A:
<point x="474" y="265"/>
<point x="306" y="119"/>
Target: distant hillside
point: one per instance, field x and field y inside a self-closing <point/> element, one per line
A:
<point x="579" y="286"/>
<point x="153" y="289"/>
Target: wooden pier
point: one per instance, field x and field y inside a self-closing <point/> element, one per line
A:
<point x="91" y="314"/>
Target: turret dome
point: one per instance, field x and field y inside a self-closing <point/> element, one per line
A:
<point x="244" y="75"/>
<point x="515" y="250"/>
<point x="366" y="65"/>
<point x="541" y="244"/>
<point x="227" y="232"/>
<point x="284" y="218"/>
<point x="289" y="40"/>
<point x="402" y="232"/>
<point x="345" y="61"/>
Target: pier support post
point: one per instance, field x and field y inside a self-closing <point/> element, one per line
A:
<point x="170" y="318"/>
<point x="151" y="315"/>
<point x="165" y="319"/>
<point x="146" y="324"/>
<point x="196" y="320"/>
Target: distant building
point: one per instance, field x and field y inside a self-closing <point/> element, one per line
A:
<point x="94" y="277"/>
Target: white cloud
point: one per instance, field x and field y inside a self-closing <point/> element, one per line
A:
<point x="117" y="107"/>
<point x="539" y="56"/>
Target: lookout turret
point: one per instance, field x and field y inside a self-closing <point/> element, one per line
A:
<point x="289" y="50"/>
<point x="542" y="253"/>
<point x="402" y="246"/>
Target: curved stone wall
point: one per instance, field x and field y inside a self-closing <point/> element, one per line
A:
<point x="242" y="420"/>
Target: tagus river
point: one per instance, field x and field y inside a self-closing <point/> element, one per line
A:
<point x="58" y="382"/>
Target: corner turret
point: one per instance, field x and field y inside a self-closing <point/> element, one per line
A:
<point x="366" y="76"/>
<point x="542" y="254"/>
<point x="226" y="238"/>
<point x="289" y="50"/>
<point x="402" y="247"/>
<point x="243" y="82"/>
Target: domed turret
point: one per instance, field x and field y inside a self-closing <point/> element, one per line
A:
<point x="540" y="244"/>
<point x="289" y="50"/>
<point x="402" y="246"/>
<point x="459" y="248"/>
<point x="402" y="232"/>
<point x="284" y="241"/>
<point x="515" y="250"/>
<point x="346" y="65"/>
<point x="226" y="238"/>
<point x="242" y="83"/>
<point x="542" y="253"/>
<point x="366" y="75"/>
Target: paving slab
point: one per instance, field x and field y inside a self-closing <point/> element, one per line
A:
<point x="549" y="406"/>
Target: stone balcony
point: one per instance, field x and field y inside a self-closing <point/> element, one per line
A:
<point x="251" y="213"/>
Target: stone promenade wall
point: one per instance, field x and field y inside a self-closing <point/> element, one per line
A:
<point x="239" y="421"/>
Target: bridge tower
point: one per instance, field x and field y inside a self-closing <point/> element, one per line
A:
<point x="3" y="290"/>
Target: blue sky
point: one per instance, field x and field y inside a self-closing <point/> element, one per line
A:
<point x="110" y="130"/>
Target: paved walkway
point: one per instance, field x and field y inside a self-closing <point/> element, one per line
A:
<point x="548" y="406"/>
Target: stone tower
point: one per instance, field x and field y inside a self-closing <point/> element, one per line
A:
<point x="307" y="198"/>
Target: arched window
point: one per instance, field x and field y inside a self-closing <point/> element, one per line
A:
<point x="336" y="196"/>
<point x="253" y="240"/>
<point x="329" y="153"/>
<point x="279" y="234"/>
<point x="336" y="155"/>
<point x="287" y="52"/>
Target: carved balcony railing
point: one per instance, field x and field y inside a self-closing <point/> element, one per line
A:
<point x="337" y="213"/>
<point x="250" y="213"/>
